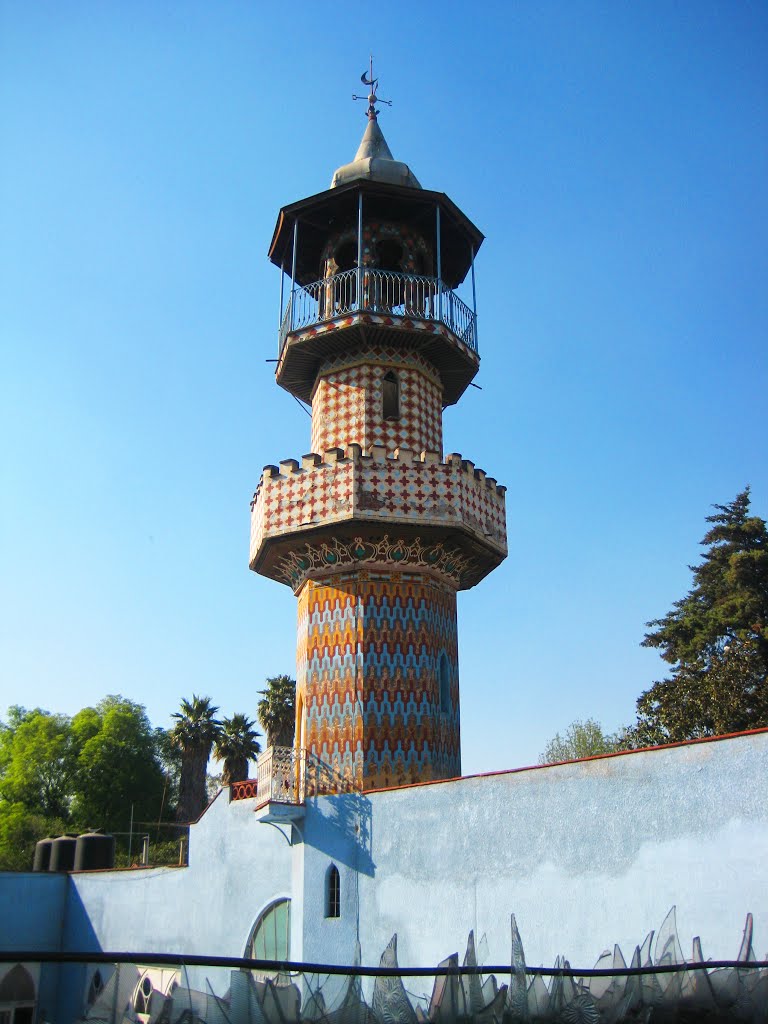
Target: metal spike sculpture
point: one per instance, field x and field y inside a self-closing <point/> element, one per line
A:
<point x="663" y="986"/>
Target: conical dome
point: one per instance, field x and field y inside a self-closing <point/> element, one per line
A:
<point x="374" y="162"/>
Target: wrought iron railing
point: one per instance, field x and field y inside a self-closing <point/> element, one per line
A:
<point x="382" y="291"/>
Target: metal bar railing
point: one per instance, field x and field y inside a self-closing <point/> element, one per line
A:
<point x="355" y="970"/>
<point x="380" y="291"/>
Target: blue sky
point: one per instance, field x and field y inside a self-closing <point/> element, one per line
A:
<point x="615" y="156"/>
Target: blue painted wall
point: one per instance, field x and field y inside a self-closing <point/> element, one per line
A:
<point x="32" y="910"/>
<point x="585" y="854"/>
<point x="236" y="868"/>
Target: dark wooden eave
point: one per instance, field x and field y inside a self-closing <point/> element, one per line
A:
<point x="322" y="215"/>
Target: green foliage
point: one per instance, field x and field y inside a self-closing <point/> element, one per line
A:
<point x="196" y="725"/>
<point x="38" y="762"/>
<point x="119" y="775"/>
<point x="59" y="774"/>
<point x="236" y="745"/>
<point x="276" y="711"/>
<point x="582" y="739"/>
<point x="715" y="638"/>
<point x="20" y="829"/>
<point x="165" y="852"/>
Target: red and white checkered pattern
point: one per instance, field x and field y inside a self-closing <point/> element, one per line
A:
<point x="434" y="494"/>
<point x="347" y="403"/>
<point x="402" y="490"/>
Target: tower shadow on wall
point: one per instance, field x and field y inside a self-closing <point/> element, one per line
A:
<point x="341" y="826"/>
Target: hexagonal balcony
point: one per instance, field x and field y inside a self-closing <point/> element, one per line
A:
<point x="373" y="300"/>
<point x="348" y="509"/>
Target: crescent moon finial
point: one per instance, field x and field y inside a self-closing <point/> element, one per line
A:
<point x="367" y="79"/>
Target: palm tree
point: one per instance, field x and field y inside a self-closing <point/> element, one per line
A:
<point x="236" y="745"/>
<point x="276" y="711"/>
<point x="194" y="734"/>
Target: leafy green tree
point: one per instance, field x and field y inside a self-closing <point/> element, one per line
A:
<point x="193" y="735"/>
<point x="276" y="711"/>
<point x="38" y="762"/>
<point x="20" y="829"/>
<point x="715" y="638"/>
<point x="119" y="776"/>
<point x="59" y="774"/>
<point x="236" y="745"/>
<point x="581" y="739"/>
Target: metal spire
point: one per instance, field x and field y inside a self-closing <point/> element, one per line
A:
<point x="373" y="99"/>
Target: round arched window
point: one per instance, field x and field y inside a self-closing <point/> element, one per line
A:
<point x="271" y="935"/>
<point x="390" y="254"/>
<point x="17" y="996"/>
<point x="332" y="892"/>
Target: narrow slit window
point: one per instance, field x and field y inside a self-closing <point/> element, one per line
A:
<point x="332" y="892"/>
<point x="445" y="684"/>
<point x="390" y="394"/>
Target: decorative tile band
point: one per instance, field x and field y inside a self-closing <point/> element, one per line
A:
<point x="402" y="323"/>
<point x="311" y="560"/>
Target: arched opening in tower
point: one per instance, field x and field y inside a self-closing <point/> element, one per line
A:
<point x="390" y="396"/>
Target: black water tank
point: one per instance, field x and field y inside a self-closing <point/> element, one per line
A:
<point x="42" y="859"/>
<point x="94" y="850"/>
<point x="62" y="853"/>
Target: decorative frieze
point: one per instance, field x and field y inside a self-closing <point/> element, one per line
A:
<point x="314" y="561"/>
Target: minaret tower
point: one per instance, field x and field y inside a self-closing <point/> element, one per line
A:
<point x="375" y="530"/>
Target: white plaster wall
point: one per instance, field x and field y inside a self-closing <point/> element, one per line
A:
<point x="585" y="854"/>
<point x="236" y="868"/>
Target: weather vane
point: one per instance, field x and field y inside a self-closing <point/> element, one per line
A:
<point x="373" y="99"/>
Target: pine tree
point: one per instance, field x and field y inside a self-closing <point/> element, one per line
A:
<point x="715" y="638"/>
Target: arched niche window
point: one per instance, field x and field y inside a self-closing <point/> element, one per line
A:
<point x="444" y="679"/>
<point x="96" y="987"/>
<point x="332" y="892"/>
<point x="17" y="996"/>
<point x="390" y="396"/>
<point x="389" y="254"/>
<point x="142" y="997"/>
<point x="346" y="255"/>
<point x="270" y="938"/>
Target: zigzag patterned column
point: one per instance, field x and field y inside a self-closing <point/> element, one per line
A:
<point x="379" y="676"/>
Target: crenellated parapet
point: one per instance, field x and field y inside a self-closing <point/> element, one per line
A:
<point x="402" y="508"/>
